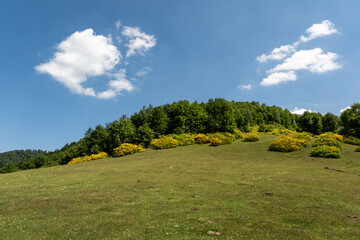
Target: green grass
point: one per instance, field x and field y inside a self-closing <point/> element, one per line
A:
<point x="245" y="190"/>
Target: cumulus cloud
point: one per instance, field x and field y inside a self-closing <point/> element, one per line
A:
<point x="117" y="85"/>
<point x="246" y="87"/>
<point x="139" y="42"/>
<point x="344" y="109"/>
<point x="278" y="77"/>
<point x="322" y="29"/>
<point x="277" y="53"/>
<point x="300" y="111"/>
<point x="84" y="55"/>
<point x="325" y="28"/>
<point x="313" y="60"/>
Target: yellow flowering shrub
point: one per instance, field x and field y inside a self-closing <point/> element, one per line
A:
<point x="305" y="137"/>
<point x="253" y="137"/>
<point x="164" y="142"/>
<point x="88" y="158"/>
<point x="183" y="139"/>
<point x="215" y="141"/>
<point x="278" y="131"/>
<point x="238" y="134"/>
<point x="226" y="138"/>
<point x="127" y="149"/>
<point x="326" y="152"/>
<point x="287" y="144"/>
<point x="332" y="135"/>
<point x="201" y="138"/>
<point x="328" y="141"/>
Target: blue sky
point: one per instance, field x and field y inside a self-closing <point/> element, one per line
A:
<point x="66" y="66"/>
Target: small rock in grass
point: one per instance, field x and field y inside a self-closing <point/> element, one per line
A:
<point x="196" y="196"/>
<point x="213" y="233"/>
<point x="176" y="226"/>
<point x="201" y="220"/>
<point x="210" y="222"/>
<point x="195" y="209"/>
<point x="269" y="193"/>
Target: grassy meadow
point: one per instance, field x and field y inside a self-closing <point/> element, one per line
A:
<point x="240" y="190"/>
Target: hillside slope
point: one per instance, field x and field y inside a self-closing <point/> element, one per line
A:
<point x="241" y="190"/>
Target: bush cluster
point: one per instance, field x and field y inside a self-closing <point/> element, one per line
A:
<point x="88" y="158"/>
<point x="127" y="149"/>
<point x="164" y="142"/>
<point x="357" y="149"/>
<point x="253" y="137"/>
<point x="183" y="139"/>
<point x="288" y="143"/>
<point x="201" y="138"/>
<point x="352" y="140"/>
<point x="326" y="151"/>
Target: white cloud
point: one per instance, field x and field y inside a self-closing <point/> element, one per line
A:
<point x="247" y="87"/>
<point x="118" y="25"/>
<point x="277" y="53"/>
<point x="116" y="86"/>
<point x="143" y="71"/>
<point x="344" y="109"/>
<point x="325" y="28"/>
<point x="313" y="60"/>
<point x="278" y="77"/>
<point x="139" y="42"/>
<point x="299" y="111"/>
<point x="82" y="55"/>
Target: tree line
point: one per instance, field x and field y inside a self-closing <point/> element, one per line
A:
<point x="216" y="115"/>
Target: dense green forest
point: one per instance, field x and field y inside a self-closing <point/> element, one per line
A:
<point x="18" y="156"/>
<point x="217" y="115"/>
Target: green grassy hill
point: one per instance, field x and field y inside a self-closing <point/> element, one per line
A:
<point x="240" y="190"/>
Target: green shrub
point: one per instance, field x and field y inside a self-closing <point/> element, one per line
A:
<point x="253" y="137"/>
<point x="8" y="168"/>
<point x="326" y="152"/>
<point x="164" y="142"/>
<point x="357" y="149"/>
<point x="287" y="144"/>
<point x="201" y="138"/>
<point x="127" y="149"/>
<point x="183" y="139"/>
<point x="238" y="134"/>
<point x="328" y="141"/>
<point x="352" y="140"/>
